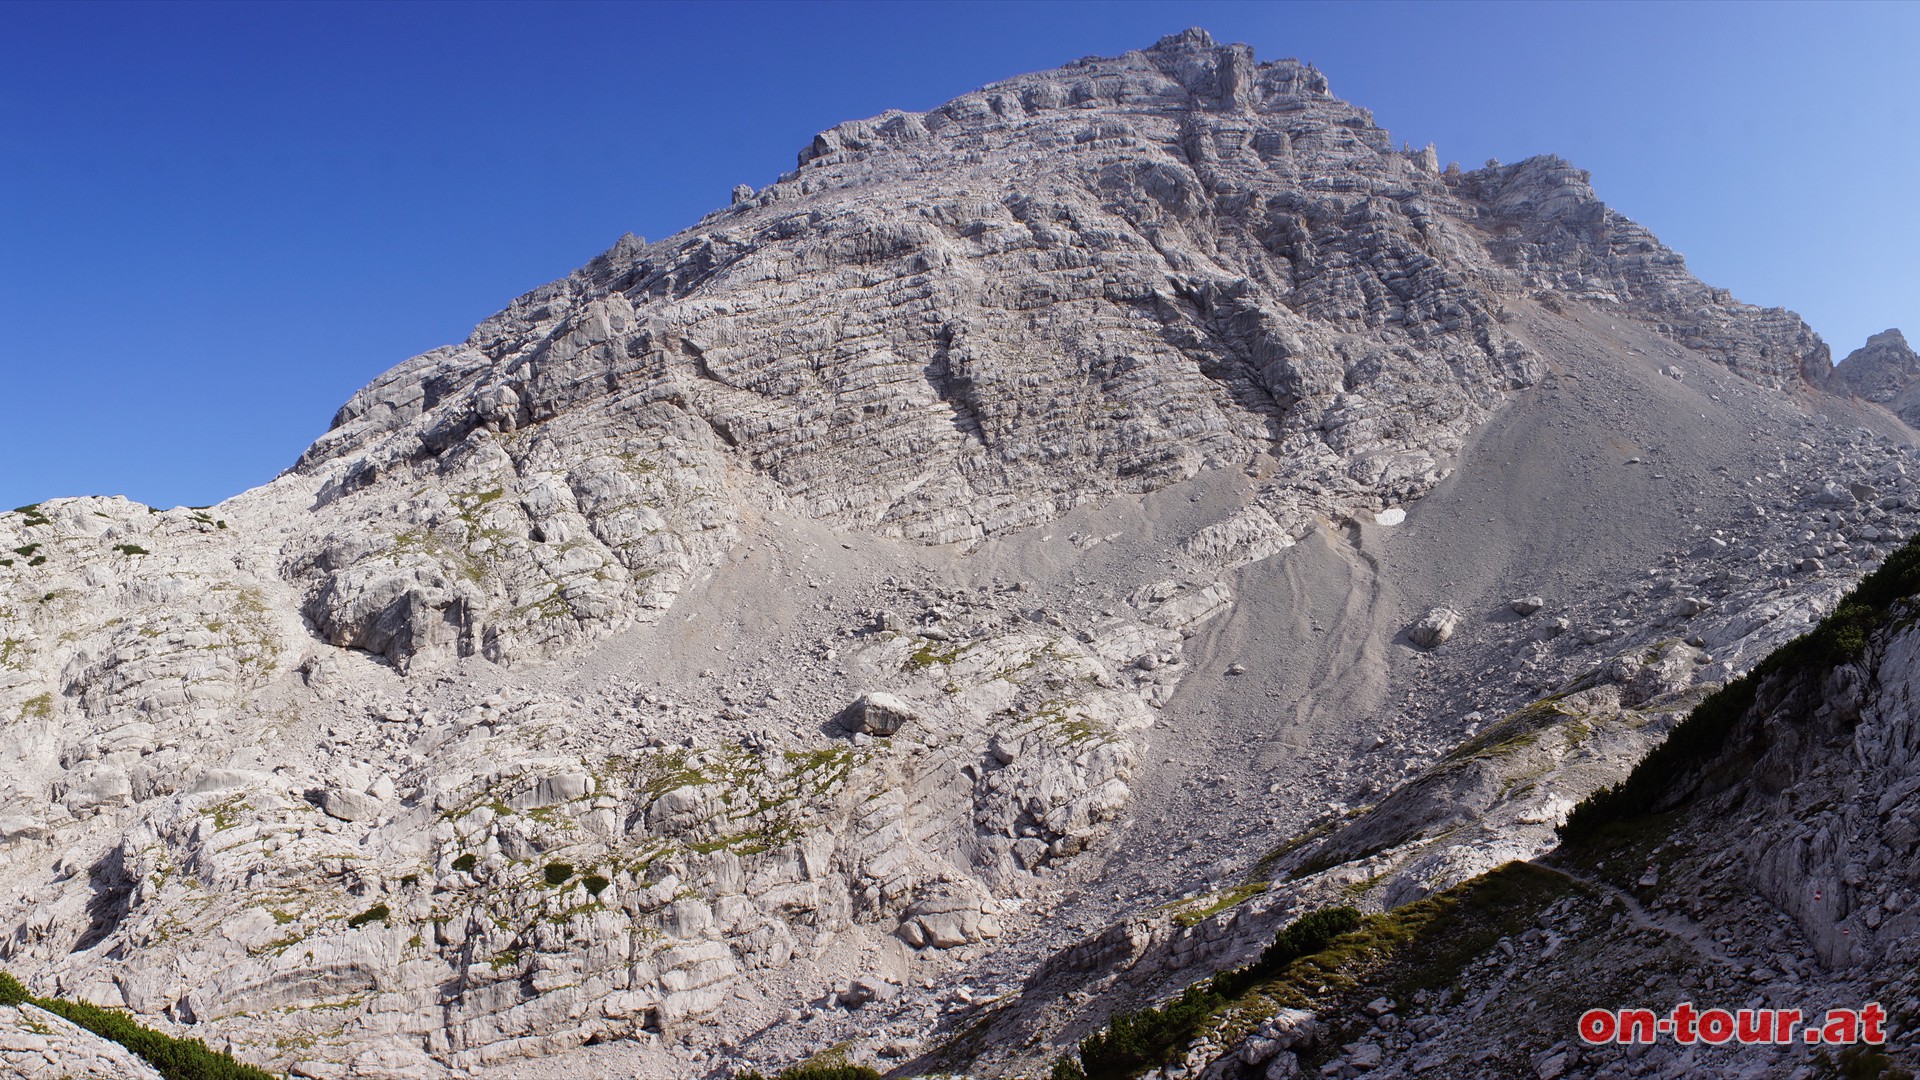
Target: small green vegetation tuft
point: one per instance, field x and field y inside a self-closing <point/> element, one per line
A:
<point x="817" y="1072"/>
<point x="131" y="549"/>
<point x="1859" y="1063"/>
<point x="465" y="863"/>
<point x="930" y="653"/>
<point x="38" y="708"/>
<point x="558" y="873"/>
<point x="174" y="1059"/>
<point x="1840" y="638"/>
<point x="595" y="883"/>
<point x="376" y="913"/>
<point x="26" y="550"/>
<point x="225" y="814"/>
<point x="1219" y="902"/>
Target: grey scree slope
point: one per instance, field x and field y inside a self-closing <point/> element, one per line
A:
<point x="939" y="578"/>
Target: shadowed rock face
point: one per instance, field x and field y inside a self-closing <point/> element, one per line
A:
<point x="776" y="614"/>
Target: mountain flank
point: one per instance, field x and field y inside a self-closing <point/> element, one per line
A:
<point x="982" y="584"/>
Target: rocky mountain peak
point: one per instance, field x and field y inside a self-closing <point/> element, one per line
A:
<point x="1889" y="338"/>
<point x="1193" y="37"/>
<point x="1884" y="371"/>
<point x="1253" y="269"/>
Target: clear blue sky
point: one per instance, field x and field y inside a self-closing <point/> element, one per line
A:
<point x="217" y="221"/>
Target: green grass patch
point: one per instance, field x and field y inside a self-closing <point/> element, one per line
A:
<point x="1217" y="902"/>
<point x="558" y="873"/>
<point x="1512" y="732"/>
<point x="131" y="549"/>
<point x="595" y="883"/>
<point x="225" y="814"/>
<point x="816" y="1072"/>
<point x="465" y="863"/>
<point x="174" y="1059"/>
<point x="377" y="913"/>
<point x="828" y="1064"/>
<point x="1859" y="1063"/>
<point x="1263" y="870"/>
<point x="930" y="653"/>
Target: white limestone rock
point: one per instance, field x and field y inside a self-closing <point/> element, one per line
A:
<point x="38" y="1045"/>
<point x="881" y="713"/>
<point x="1435" y="628"/>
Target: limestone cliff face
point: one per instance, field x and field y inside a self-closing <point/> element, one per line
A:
<point x="1547" y="230"/>
<point x="940" y="326"/>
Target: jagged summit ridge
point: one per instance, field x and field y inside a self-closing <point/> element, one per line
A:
<point x="945" y="325"/>
<point x="1884" y="371"/>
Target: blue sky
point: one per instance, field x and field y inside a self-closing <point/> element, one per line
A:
<point x="219" y="220"/>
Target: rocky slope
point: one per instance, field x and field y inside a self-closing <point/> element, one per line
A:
<point x="1763" y="859"/>
<point x="37" y="1045"/>
<point x="1004" y="566"/>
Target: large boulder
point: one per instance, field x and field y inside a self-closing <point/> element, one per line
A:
<point x="880" y="713"/>
<point x="1434" y="628"/>
<point x="349" y="805"/>
<point x="947" y="916"/>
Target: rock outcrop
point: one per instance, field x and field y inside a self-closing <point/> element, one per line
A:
<point x="1884" y="371"/>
